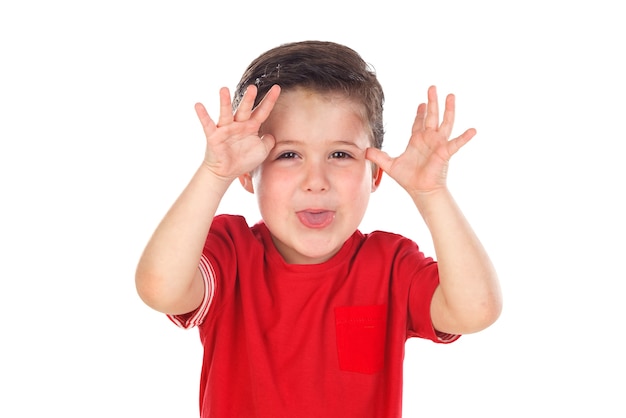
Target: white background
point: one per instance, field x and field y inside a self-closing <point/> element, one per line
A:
<point x="98" y="136"/>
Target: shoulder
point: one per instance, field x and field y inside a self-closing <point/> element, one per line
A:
<point x="387" y="242"/>
<point x="395" y="251"/>
<point x="234" y="226"/>
<point x="228" y="233"/>
<point x="229" y="221"/>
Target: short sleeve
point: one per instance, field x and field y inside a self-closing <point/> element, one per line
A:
<point x="421" y="293"/>
<point x="197" y="317"/>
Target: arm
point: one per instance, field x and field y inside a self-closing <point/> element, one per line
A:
<point x="468" y="297"/>
<point x="167" y="276"/>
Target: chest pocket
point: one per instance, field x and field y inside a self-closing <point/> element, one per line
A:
<point x="361" y="332"/>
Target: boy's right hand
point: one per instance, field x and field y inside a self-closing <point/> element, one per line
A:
<point x="233" y="145"/>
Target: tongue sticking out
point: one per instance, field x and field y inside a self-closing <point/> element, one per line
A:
<point x="316" y="219"/>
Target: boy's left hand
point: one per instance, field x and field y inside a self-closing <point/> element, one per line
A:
<point x="422" y="167"/>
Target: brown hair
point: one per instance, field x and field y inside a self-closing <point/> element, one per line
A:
<point x="324" y="67"/>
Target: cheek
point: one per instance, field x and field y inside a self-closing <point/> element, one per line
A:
<point x="357" y="185"/>
<point x="366" y="178"/>
<point x="270" y="187"/>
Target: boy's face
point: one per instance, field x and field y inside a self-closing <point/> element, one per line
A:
<point x="315" y="184"/>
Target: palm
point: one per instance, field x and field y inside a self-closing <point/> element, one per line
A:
<point x="233" y="144"/>
<point x="422" y="167"/>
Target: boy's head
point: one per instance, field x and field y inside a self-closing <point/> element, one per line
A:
<point x="323" y="67"/>
<point x="314" y="185"/>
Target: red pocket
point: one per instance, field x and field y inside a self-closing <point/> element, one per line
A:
<point x="361" y="332"/>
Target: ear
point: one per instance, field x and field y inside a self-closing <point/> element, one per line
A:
<point x="376" y="178"/>
<point x="246" y="182"/>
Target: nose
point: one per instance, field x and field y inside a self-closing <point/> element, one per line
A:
<point x="315" y="177"/>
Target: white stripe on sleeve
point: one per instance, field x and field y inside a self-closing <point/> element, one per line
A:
<point x="196" y="317"/>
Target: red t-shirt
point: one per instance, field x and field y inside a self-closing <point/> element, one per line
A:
<point x="324" y="340"/>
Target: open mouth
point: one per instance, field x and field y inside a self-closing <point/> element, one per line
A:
<point x="312" y="218"/>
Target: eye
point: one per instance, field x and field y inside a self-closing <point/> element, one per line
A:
<point x="287" y="155"/>
<point x="340" y="155"/>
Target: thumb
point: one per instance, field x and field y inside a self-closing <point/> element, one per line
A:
<point x="380" y="158"/>
<point x="269" y="141"/>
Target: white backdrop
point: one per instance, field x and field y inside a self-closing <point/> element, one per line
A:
<point x="98" y="136"/>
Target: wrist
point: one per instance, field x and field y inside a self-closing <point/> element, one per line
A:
<point x="211" y="181"/>
<point x="435" y="206"/>
<point x="431" y="197"/>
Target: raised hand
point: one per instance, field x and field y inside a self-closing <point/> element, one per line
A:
<point x="423" y="166"/>
<point x="233" y="145"/>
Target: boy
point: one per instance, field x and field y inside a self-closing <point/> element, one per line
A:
<point x="302" y="315"/>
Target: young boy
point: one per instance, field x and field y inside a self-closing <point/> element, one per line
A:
<point x="302" y="315"/>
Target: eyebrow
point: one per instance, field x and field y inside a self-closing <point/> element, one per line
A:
<point x="337" y="142"/>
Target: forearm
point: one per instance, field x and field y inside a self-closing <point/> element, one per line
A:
<point x="168" y="268"/>
<point x="468" y="298"/>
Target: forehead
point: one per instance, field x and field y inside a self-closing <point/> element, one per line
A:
<point x="302" y="107"/>
<point x="330" y="96"/>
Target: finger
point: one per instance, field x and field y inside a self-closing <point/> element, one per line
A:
<point x="247" y="103"/>
<point x="418" y="123"/>
<point x="432" y="109"/>
<point x="457" y="143"/>
<point x="380" y="158"/>
<point x="226" y="109"/>
<point x="263" y="110"/>
<point x="207" y="123"/>
<point x="269" y="141"/>
<point x="448" y="116"/>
